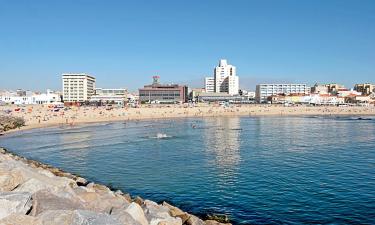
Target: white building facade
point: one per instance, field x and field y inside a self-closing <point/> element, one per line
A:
<point x="263" y="91"/>
<point x="110" y="95"/>
<point x="209" y="84"/>
<point x="30" y="98"/>
<point x="225" y="79"/>
<point x="77" y="87"/>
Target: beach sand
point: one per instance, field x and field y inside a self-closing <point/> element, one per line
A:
<point x="37" y="116"/>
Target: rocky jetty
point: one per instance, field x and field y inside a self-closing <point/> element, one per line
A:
<point x="33" y="193"/>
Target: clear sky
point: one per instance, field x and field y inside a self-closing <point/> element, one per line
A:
<point x="123" y="43"/>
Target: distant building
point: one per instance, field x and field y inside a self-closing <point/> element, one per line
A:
<point x="365" y="89"/>
<point x="195" y="93"/>
<point x="77" y="87"/>
<point x="218" y="97"/>
<point x="319" y="89"/>
<point x="29" y="98"/>
<point x="334" y="88"/>
<point x="163" y="93"/>
<point x="263" y="91"/>
<point x="225" y="79"/>
<point x="209" y="84"/>
<point x="110" y="95"/>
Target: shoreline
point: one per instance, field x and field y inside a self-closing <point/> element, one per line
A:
<point x="42" y="183"/>
<point x="161" y="113"/>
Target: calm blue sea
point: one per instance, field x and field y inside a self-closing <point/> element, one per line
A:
<point x="258" y="170"/>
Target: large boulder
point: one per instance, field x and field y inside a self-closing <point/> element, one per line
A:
<point x="77" y="217"/>
<point x="9" y="180"/>
<point x="156" y="214"/>
<point x="10" y="203"/>
<point x="176" y="212"/>
<point x="45" y="200"/>
<point x="214" y="222"/>
<point x="104" y="202"/>
<point x="137" y="213"/>
<point x="17" y="219"/>
<point x="124" y="217"/>
<point x="193" y="220"/>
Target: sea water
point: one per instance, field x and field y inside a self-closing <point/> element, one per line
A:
<point x="256" y="170"/>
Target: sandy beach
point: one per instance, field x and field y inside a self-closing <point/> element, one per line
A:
<point x="37" y="116"/>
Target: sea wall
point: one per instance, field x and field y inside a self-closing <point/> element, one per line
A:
<point x="33" y="193"/>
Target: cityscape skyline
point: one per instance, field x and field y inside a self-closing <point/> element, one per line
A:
<point x="125" y="44"/>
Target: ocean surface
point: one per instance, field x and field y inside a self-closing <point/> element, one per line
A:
<point x="256" y="170"/>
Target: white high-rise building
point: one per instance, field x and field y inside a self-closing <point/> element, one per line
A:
<point x="77" y="87"/>
<point x="209" y="84"/>
<point x="225" y="79"/>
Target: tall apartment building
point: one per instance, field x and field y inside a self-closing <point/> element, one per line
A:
<point x="225" y="79"/>
<point x="365" y="89"/>
<point x="77" y="87"/>
<point x="209" y="84"/>
<point x="263" y="91"/>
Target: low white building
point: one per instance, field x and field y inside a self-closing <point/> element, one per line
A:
<point x="110" y="95"/>
<point x="263" y="91"/>
<point x="30" y="98"/>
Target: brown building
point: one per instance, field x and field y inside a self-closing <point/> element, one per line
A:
<point x="163" y="93"/>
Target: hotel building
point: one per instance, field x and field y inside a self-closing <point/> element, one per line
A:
<point x="163" y="93"/>
<point x="209" y="84"/>
<point x="77" y="87"/>
<point x="263" y="91"/>
<point x="225" y="79"/>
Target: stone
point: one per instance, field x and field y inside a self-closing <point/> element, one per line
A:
<point x="45" y="200"/>
<point x="193" y="220"/>
<point x="10" y="180"/>
<point x="77" y="217"/>
<point x="176" y="212"/>
<point x="138" y="200"/>
<point x="159" y="214"/>
<point x="18" y="219"/>
<point x="81" y="181"/>
<point x="125" y="218"/>
<point x="214" y="222"/>
<point x="103" y="202"/>
<point x="137" y="213"/>
<point x="11" y="202"/>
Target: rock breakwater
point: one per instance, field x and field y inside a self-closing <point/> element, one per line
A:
<point x="33" y="193"/>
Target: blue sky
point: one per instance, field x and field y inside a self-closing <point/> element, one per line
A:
<point x="124" y="43"/>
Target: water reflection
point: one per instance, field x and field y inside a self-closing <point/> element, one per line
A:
<point x="222" y="142"/>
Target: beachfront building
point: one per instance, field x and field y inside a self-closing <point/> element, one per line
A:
<point x="163" y="93"/>
<point x="77" y="87"/>
<point x="264" y="91"/>
<point x="333" y="88"/>
<point x="110" y="95"/>
<point x="224" y="80"/>
<point x="195" y="93"/>
<point x="29" y="98"/>
<point x="219" y="97"/>
<point x="365" y="89"/>
<point x="209" y="84"/>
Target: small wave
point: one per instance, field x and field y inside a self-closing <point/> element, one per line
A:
<point x="161" y="136"/>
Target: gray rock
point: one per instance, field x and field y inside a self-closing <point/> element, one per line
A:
<point x="125" y="218"/>
<point x="193" y="220"/>
<point x="10" y="203"/>
<point x="44" y="200"/>
<point x="137" y="213"/>
<point x="9" y="180"/>
<point x="156" y="214"/>
<point x="214" y="222"/>
<point x="77" y="217"/>
<point x="176" y="212"/>
<point x="17" y="219"/>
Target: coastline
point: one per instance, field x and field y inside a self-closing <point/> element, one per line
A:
<point x="87" y="115"/>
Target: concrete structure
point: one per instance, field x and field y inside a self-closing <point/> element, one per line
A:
<point x="110" y="95"/>
<point x="334" y="88"/>
<point x="163" y="93"/>
<point x="365" y="89"/>
<point x="77" y="87"/>
<point x="219" y="97"/>
<point x="263" y="91"/>
<point x="209" y="84"/>
<point x="29" y="98"/>
<point x="319" y="89"/>
<point x="225" y="79"/>
<point x="195" y="93"/>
